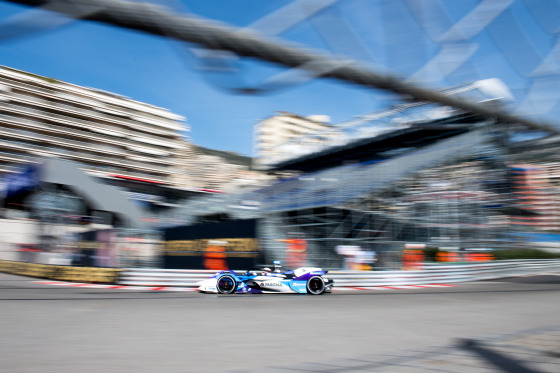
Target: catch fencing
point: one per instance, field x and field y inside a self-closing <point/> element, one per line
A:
<point x="428" y="273"/>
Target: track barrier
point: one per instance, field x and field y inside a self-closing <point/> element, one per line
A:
<point x="431" y="273"/>
<point x="62" y="273"/>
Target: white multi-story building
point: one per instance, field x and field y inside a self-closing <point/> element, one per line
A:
<point x="285" y="135"/>
<point x="110" y="135"/>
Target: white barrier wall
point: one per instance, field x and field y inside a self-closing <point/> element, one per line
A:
<point x="430" y="274"/>
<point x="14" y="231"/>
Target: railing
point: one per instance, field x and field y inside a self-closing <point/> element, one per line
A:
<point x="146" y="166"/>
<point x="429" y="274"/>
<point x="63" y="130"/>
<point x="120" y="140"/>
<point x="163" y="170"/>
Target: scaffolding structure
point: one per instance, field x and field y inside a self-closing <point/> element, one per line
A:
<point x="449" y="195"/>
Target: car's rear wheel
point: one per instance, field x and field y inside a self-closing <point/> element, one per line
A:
<point x="315" y="285"/>
<point x="226" y="284"/>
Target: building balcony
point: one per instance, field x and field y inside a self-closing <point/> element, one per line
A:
<point x="81" y="156"/>
<point x="52" y="101"/>
<point x="70" y="121"/>
<point x="13" y="157"/>
<point x="84" y="147"/>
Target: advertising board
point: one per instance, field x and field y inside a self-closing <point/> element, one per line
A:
<point x="213" y="246"/>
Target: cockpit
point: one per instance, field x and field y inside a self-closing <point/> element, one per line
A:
<point x="275" y="269"/>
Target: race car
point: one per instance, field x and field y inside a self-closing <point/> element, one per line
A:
<point x="268" y="279"/>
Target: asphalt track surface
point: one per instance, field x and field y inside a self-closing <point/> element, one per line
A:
<point x="509" y="325"/>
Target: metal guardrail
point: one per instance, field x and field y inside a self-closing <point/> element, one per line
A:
<point x="430" y="273"/>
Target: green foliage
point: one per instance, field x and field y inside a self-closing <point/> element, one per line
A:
<point x="518" y="254"/>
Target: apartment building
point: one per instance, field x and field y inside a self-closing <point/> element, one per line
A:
<point x="139" y="148"/>
<point x="286" y="135"/>
<point x="215" y="170"/>
<point x="110" y="135"/>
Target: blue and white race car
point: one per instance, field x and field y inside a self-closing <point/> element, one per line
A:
<point x="268" y="279"/>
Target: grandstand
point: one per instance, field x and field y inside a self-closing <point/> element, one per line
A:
<point x="438" y="180"/>
<point x="368" y="204"/>
<point x="446" y="186"/>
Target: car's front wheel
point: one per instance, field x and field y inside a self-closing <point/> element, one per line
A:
<point x="226" y="284"/>
<point x="315" y="285"/>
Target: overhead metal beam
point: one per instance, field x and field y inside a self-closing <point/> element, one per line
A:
<point x="161" y="21"/>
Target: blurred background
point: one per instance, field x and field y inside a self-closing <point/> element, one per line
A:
<point x="132" y="134"/>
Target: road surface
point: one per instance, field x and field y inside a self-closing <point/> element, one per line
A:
<point x="510" y="325"/>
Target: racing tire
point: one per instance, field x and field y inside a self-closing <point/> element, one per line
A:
<point x="315" y="285"/>
<point x="226" y="284"/>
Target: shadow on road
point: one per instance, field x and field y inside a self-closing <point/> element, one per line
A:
<point x="500" y="361"/>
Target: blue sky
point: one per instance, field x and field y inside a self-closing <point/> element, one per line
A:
<point x="396" y="36"/>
